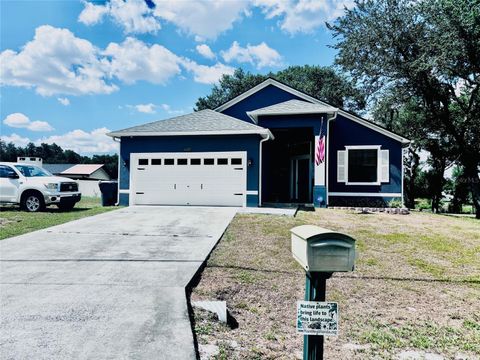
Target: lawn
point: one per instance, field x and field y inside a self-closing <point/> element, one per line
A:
<point x="416" y="287"/>
<point x="15" y="222"/>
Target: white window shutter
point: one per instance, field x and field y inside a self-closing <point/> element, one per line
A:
<point x="384" y="166"/>
<point x="341" y="173"/>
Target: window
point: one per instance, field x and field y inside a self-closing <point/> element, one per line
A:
<point x="236" y="161"/>
<point x="169" y="161"/>
<point x="142" y="161"/>
<point x="156" y="161"/>
<point x="363" y="165"/>
<point x="32" y="171"/>
<point x="6" y="171"/>
<point x="195" y="161"/>
<point x="182" y="161"/>
<point x="222" y="161"/>
<point x="208" y="161"/>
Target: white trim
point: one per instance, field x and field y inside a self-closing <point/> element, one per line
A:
<point x="263" y="132"/>
<point x="252" y="192"/>
<point x="363" y="147"/>
<point x="306" y="97"/>
<point x="124" y="191"/>
<point x="260" y="164"/>
<point x="365" y="194"/>
<point x="254" y="115"/>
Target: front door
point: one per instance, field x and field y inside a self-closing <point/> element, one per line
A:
<point x="301" y="180"/>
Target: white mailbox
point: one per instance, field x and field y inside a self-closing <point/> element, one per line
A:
<point x="322" y="250"/>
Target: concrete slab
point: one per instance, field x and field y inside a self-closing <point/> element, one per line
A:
<point x="269" y="211"/>
<point x="109" y="286"/>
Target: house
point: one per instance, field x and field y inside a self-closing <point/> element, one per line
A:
<point x="86" y="175"/>
<point x="86" y="172"/>
<point x="270" y="145"/>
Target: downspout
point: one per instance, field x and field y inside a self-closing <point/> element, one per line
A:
<point x="119" y="140"/>
<point x="328" y="156"/>
<point x="260" y="168"/>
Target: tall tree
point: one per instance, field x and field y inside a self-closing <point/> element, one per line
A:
<point x="323" y="83"/>
<point x="429" y="49"/>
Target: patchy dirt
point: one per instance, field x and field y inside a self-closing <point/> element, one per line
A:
<point x="416" y="288"/>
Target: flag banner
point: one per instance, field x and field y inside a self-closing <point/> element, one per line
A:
<point x="320" y="151"/>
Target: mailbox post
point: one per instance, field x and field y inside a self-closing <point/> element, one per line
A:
<point x="320" y="252"/>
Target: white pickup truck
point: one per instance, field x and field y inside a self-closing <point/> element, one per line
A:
<point x="33" y="188"/>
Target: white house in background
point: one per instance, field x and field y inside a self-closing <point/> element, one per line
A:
<point x="86" y="175"/>
<point x="86" y="172"/>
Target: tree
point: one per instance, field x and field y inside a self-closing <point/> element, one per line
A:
<point x="426" y="49"/>
<point x="320" y="82"/>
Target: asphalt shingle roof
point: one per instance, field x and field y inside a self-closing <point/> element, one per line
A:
<point x="293" y="107"/>
<point x="199" y="121"/>
<point x="56" y="168"/>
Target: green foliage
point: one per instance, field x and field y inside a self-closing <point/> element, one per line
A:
<point x="54" y="154"/>
<point x="323" y="83"/>
<point x="395" y="203"/>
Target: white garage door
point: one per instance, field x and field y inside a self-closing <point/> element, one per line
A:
<point x="213" y="178"/>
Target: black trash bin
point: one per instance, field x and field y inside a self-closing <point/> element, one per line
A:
<point x="109" y="191"/>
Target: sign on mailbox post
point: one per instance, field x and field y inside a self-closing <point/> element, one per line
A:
<point x="317" y="318"/>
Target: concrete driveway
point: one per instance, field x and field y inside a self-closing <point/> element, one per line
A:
<point x="108" y="286"/>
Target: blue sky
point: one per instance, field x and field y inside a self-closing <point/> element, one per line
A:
<point x="73" y="70"/>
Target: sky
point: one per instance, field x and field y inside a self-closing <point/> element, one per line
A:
<point x="71" y="71"/>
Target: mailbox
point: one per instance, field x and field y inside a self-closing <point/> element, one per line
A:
<point x="322" y="250"/>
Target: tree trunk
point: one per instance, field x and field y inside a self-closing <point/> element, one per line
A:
<point x="471" y="174"/>
<point x="413" y="172"/>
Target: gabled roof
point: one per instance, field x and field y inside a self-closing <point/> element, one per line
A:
<point x="56" y="168"/>
<point x="204" y="122"/>
<point x="291" y="107"/>
<point x="82" y="169"/>
<point x="308" y="98"/>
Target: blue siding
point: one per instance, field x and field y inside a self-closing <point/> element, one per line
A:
<point x="269" y="95"/>
<point x="248" y="143"/>
<point x="293" y="121"/>
<point x="347" y="132"/>
<point x="319" y="196"/>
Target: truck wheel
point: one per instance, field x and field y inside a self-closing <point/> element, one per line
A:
<point x="66" y="206"/>
<point x="33" y="202"/>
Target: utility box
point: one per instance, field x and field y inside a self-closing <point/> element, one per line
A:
<point x="322" y="250"/>
<point x="30" y="160"/>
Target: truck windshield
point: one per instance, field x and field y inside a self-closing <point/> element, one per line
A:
<point x="32" y="171"/>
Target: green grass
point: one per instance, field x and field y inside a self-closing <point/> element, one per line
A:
<point x="14" y="222"/>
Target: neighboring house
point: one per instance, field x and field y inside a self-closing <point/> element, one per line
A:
<point x="56" y="169"/>
<point x="86" y="172"/>
<point x="86" y="175"/>
<point x="270" y="145"/>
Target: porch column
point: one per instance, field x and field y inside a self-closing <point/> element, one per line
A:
<point x="319" y="188"/>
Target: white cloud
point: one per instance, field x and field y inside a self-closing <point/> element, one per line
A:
<point x="55" y="62"/>
<point x="133" y="15"/>
<point x="146" y="108"/>
<point x="205" y="51"/>
<point x="207" y="74"/>
<point x="63" y="101"/>
<point x="133" y="60"/>
<point x="260" y="55"/>
<point x="16" y="139"/>
<point x="168" y="109"/>
<point x="80" y="141"/>
<point x="21" y="121"/>
<point x="302" y="16"/>
<point x="92" y="14"/>
<point x="203" y="18"/>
